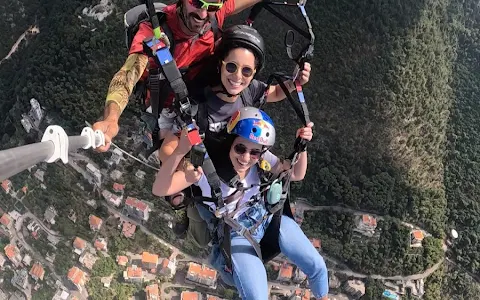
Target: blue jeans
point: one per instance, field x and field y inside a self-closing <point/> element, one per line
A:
<point x="249" y="274"/>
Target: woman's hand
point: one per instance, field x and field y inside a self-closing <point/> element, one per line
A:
<point x="192" y="174"/>
<point x="184" y="145"/>
<point x="304" y="75"/>
<point x="306" y="133"/>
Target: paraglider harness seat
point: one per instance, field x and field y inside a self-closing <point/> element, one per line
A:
<point x="165" y="78"/>
<point x="274" y="189"/>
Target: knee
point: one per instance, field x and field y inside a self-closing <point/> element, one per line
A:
<point x="317" y="267"/>
<point x="256" y="290"/>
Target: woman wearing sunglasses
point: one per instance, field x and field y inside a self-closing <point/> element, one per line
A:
<point x="241" y="55"/>
<point x="250" y="135"/>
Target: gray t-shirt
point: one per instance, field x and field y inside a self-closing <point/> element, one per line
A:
<point x="219" y="111"/>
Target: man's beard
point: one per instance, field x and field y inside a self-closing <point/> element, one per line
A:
<point x="196" y="23"/>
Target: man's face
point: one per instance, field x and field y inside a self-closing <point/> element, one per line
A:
<point x="195" y="17"/>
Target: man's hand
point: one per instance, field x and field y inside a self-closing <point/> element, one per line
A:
<point x="304" y="76"/>
<point x="109" y="129"/>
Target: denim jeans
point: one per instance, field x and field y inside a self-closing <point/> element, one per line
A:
<point x="249" y="274"/>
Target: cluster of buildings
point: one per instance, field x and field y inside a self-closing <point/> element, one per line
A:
<point x="145" y="267"/>
<point x="191" y="295"/>
<point x="22" y="268"/>
<point x="34" y="117"/>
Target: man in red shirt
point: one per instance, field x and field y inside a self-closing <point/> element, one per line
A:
<point x="189" y="21"/>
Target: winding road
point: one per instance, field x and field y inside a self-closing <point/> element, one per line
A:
<point x="301" y="204"/>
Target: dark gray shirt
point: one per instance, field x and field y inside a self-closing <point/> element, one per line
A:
<point x="219" y="111"/>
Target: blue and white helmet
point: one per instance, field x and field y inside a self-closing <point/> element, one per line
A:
<point x="254" y="125"/>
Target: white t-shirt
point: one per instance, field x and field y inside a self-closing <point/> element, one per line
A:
<point x="249" y="180"/>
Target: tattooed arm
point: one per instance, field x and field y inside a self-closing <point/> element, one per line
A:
<point x="119" y="91"/>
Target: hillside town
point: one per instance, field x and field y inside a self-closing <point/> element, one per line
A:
<point x="32" y="247"/>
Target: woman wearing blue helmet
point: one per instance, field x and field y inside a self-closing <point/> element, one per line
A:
<point x="251" y="135"/>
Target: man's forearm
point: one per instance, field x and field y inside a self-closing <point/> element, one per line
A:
<point x="123" y="82"/>
<point x="112" y="112"/>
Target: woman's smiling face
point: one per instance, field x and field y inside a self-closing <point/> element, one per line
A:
<point x="237" y="70"/>
<point x="244" y="154"/>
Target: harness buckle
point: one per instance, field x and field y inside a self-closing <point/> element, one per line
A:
<point x="220" y="212"/>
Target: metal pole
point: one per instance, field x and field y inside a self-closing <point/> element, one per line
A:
<point x="15" y="160"/>
<point x="77" y="142"/>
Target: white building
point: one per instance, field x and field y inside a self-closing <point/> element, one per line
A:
<point x="95" y="173"/>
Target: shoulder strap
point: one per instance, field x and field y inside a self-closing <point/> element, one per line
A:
<point x="244" y="95"/>
<point x="202" y="117"/>
<point x="162" y="18"/>
<point x="214" y="26"/>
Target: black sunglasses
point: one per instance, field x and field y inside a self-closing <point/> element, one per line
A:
<point x="232" y="67"/>
<point x="242" y="149"/>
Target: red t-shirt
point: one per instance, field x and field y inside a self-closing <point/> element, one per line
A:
<point x="187" y="49"/>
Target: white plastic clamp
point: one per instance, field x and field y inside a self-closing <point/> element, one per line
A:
<point x="59" y="137"/>
<point x="95" y="138"/>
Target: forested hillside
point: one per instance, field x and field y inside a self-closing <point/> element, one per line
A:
<point x="393" y="94"/>
<point x="462" y="168"/>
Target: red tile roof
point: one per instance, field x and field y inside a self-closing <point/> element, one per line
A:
<point x="5" y="220"/>
<point x="149" y="258"/>
<point x="6" y="185"/>
<point x="122" y="260"/>
<point x="118" y="187"/>
<point x="128" y="229"/>
<point x="10" y="251"/>
<point x="37" y="271"/>
<point x="100" y="244"/>
<point x="187" y="295"/>
<point x="201" y="271"/>
<point x="369" y="220"/>
<point x="79" y="244"/>
<point x="418" y="234"/>
<point x="134" y="272"/>
<point x="95" y="222"/>
<point x="76" y="275"/>
<point x="165" y="262"/>
<point x="138" y="204"/>
<point x="152" y="292"/>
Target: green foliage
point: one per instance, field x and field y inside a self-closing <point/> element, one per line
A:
<point x="387" y="253"/>
<point x="458" y="285"/>
<point x="373" y="290"/>
<point x="105" y="266"/>
<point x="229" y="294"/>
<point x="97" y="291"/>
<point x="64" y="260"/>
<point x="462" y="171"/>
<point x="44" y="293"/>
<point x="7" y="276"/>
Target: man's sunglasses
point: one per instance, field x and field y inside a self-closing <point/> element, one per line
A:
<point x="232" y="67"/>
<point x="209" y="6"/>
<point x="241" y="149"/>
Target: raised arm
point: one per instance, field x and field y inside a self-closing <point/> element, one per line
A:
<point x="120" y="88"/>
<point x="169" y="180"/>
<point x="276" y="93"/>
<point x="300" y="168"/>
